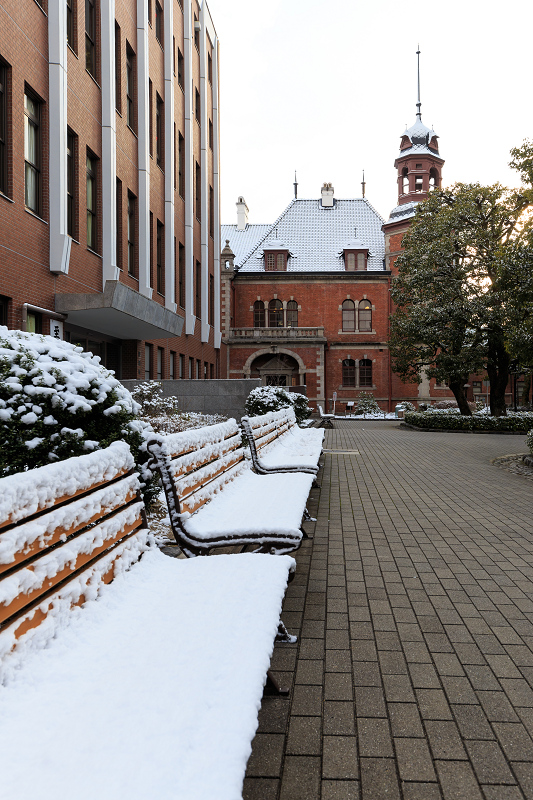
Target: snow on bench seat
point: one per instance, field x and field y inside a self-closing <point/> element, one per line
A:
<point x="152" y="691"/>
<point x="281" y="444"/>
<point x="215" y="500"/>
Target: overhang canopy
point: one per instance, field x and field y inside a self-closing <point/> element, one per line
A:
<point x="120" y="312"/>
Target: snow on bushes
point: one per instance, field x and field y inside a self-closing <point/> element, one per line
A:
<point x="274" y="398"/>
<point x="57" y="402"/>
<point x="366" y="404"/>
<point x="453" y="420"/>
<point x="163" y="414"/>
<point x="529" y="440"/>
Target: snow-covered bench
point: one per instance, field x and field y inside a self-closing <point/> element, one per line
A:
<point x="326" y="420"/>
<point x="84" y="685"/>
<point x="216" y="500"/>
<point x="277" y="444"/>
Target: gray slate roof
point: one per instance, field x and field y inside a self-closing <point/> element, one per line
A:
<point x="402" y="212"/>
<point x="243" y="242"/>
<point x="315" y="236"/>
<point x="420" y="136"/>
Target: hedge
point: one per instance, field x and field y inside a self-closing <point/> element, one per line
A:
<point x="482" y="422"/>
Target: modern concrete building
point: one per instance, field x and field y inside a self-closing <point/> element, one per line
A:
<point x="109" y="180"/>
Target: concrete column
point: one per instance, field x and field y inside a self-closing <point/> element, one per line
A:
<point x="204" y="144"/>
<point x="60" y="242"/>
<point x="188" y="44"/>
<point x="216" y="189"/>
<point x="143" y="144"/>
<point x="110" y="271"/>
<point x="170" y="267"/>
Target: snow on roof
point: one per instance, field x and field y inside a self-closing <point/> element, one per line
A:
<point x="243" y="242"/>
<point x="314" y="236"/>
<point x="420" y="136"/>
<point x="402" y="212"/>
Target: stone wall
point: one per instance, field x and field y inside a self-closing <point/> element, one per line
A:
<point x="209" y="397"/>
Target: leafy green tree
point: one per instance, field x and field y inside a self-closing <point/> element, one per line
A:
<point x="452" y="304"/>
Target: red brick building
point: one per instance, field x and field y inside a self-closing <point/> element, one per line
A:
<point x="306" y="300"/>
<point x="109" y="180"/>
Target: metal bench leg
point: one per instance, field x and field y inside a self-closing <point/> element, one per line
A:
<point x="272" y="686"/>
<point x="308" y="517"/>
<point x="283" y="635"/>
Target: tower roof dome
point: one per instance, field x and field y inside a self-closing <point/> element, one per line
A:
<point x="419" y="139"/>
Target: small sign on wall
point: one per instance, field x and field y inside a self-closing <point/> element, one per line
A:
<point x="56" y="328"/>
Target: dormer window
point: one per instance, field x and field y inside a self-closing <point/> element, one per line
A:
<point x="355" y="260"/>
<point x="276" y="260"/>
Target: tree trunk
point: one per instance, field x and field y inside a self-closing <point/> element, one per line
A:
<point x="498" y="371"/>
<point x="457" y="387"/>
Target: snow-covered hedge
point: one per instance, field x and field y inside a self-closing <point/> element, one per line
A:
<point x="57" y="402"/>
<point x="163" y="414"/>
<point x="529" y="440"/>
<point x="274" y="398"/>
<point x="453" y="420"/>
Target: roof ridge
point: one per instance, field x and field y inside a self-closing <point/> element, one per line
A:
<point x="260" y="242"/>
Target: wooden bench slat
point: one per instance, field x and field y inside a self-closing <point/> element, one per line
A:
<point x="26" y="539"/>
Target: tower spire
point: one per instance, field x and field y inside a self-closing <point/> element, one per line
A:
<point x="295" y="186"/>
<point x="419" y="104"/>
<point x="363" y="183"/>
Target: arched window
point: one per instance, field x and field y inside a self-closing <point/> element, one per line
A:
<point x="292" y="314"/>
<point x="275" y="314"/>
<point x="365" y="316"/>
<point x="348" y="315"/>
<point x="348" y="372"/>
<point x="259" y="314"/>
<point x="433" y="178"/>
<point x="405" y="180"/>
<point x="365" y="372"/>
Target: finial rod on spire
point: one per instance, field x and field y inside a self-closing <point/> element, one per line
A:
<point x="419" y="104"/>
<point x="295" y="186"/>
<point x="363" y="183"/>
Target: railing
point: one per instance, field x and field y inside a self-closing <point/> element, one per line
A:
<point x="277" y="333"/>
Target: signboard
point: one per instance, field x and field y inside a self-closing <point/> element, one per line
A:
<point x="56" y="328"/>
<point x="334" y="395"/>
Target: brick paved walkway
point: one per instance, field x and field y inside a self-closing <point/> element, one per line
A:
<point x="413" y="673"/>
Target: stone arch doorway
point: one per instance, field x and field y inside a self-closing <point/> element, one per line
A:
<point x="277" y="369"/>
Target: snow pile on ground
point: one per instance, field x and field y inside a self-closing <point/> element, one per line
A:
<point x="152" y="691"/>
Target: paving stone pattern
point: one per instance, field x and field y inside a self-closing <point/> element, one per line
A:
<point x="413" y="674"/>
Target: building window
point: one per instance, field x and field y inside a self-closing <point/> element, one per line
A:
<point x="211" y="213"/>
<point x="151" y="117"/>
<point x="348" y="372"/>
<point x="160" y="353"/>
<point x="418" y="183"/>
<point x="4" y="309"/>
<point x="149" y="3"/>
<point x="361" y="261"/>
<point x="32" y="153"/>
<point x="206" y="370"/>
<point x="147" y="362"/>
<point x="181" y="69"/>
<point x="198" y="369"/>
<point x="292" y="314"/>
<point x="196" y="35"/>
<point x="211" y="319"/>
<point x="132" y="210"/>
<point x="211" y="371"/>
<point x="275" y="262"/>
<point x="350" y="262"/>
<point x="476" y="387"/>
<point x="348" y="315"/>
<point x="365" y="372"/>
<point x="275" y="314"/>
<point x="130" y="88"/>
<point x="172" y="365"/>
<point x="118" y="199"/>
<point x="405" y="181"/>
<point x="160" y="250"/>
<point x="259" y="314"/>
<point x="182" y="366"/>
<point x="198" y="191"/>
<point x="71" y="28"/>
<point x="181" y="165"/>
<point x="211" y="134"/>
<point x="159" y="23"/>
<point x="90" y="37"/>
<point x="197" y="106"/>
<point x="160" y="131"/>
<point x="118" y="70"/>
<point x="198" y="296"/>
<point x="152" y="249"/>
<point x="3" y="128"/>
<point x="175" y="165"/>
<point x="191" y="368"/>
<point x="71" y="182"/>
<point x="92" y="168"/>
<point x="209" y="68"/>
<point x="181" y="275"/>
<point x="365" y="316"/>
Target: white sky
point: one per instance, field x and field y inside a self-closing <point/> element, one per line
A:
<point x="326" y="88"/>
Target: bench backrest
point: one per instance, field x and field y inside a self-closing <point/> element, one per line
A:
<point x="268" y="428"/>
<point x="64" y="528"/>
<point x="196" y="464"/>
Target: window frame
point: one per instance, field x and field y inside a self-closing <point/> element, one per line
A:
<point x="71" y="25"/>
<point x="72" y="206"/>
<point x="276" y="260"/>
<point x="276" y="316"/>
<point x="159" y="23"/>
<point x="198" y="291"/>
<point x="91" y="27"/>
<point x="4" y="128"/>
<point x="92" y="212"/>
<point x="181" y="70"/>
<point x="131" y="88"/>
<point x="364" y="306"/>
<point x="132" y="234"/>
<point x="349" y="373"/>
<point x="292" y="314"/>
<point x="259" y="314"/>
<point x="118" y="198"/>
<point x="365" y="373"/>
<point x="118" y="68"/>
<point x="160" y="131"/>
<point x="198" y="191"/>
<point x="181" y="275"/>
<point x="348" y="313"/>
<point x="181" y="165"/>
<point x="160" y="258"/>
<point x="33" y="121"/>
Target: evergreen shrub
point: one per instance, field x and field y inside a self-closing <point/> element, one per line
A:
<point x="273" y="398"/>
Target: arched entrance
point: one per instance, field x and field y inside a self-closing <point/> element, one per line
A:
<point x="277" y="369"/>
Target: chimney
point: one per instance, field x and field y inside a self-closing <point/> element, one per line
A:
<point x="242" y="214"/>
<point x="327" y="192"/>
